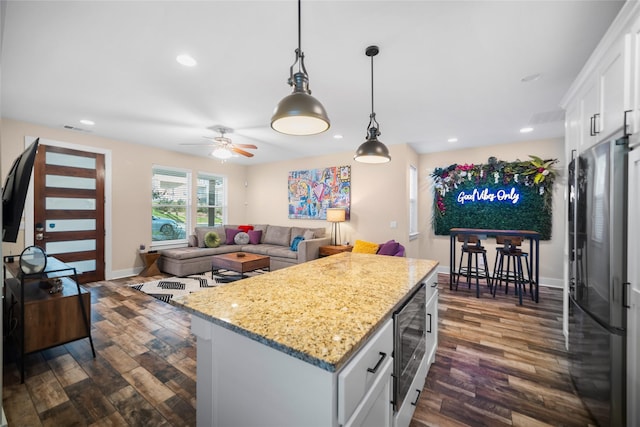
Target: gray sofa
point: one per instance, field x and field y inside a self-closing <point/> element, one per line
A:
<point x="275" y="242"/>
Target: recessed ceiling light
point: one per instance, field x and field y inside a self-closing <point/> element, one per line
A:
<point x="87" y="122"/>
<point x="186" y="60"/>
<point x="337" y="136"/>
<point x="531" y="78"/>
<point x="526" y="130"/>
<point x="452" y="140"/>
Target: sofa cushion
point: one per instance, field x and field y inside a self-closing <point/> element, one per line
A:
<point x="245" y="228"/>
<point x="309" y="234"/>
<point x="389" y="248"/>
<point x="201" y="231"/>
<point x="255" y="236"/>
<point x="280" y="252"/>
<point x="212" y="240"/>
<point x="278" y="235"/>
<point x="231" y="234"/>
<point x="241" y="238"/>
<point x="188" y="253"/>
<point x="362" y="247"/>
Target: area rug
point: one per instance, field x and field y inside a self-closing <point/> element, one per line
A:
<point x="171" y="287"/>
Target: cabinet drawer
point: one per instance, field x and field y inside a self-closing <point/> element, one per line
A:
<point x="405" y="413"/>
<point x="356" y="378"/>
<point x="431" y="285"/>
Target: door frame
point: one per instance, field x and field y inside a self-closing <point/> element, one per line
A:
<point x="633" y="276"/>
<point x="29" y="203"/>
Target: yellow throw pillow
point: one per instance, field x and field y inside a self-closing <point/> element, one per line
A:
<point x="362" y="247"/>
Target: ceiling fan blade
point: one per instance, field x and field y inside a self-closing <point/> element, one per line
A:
<point x="202" y="144"/>
<point x="245" y="146"/>
<point x="239" y="151"/>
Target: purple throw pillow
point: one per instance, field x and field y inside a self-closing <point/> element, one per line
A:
<point x="254" y="236"/>
<point x="231" y="234"/>
<point x="389" y="248"/>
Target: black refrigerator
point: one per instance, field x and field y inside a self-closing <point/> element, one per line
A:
<point x="598" y="285"/>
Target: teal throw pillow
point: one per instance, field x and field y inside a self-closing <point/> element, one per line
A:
<point x="296" y="242"/>
<point x="211" y="239"/>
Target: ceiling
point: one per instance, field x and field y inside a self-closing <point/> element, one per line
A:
<point x="446" y="69"/>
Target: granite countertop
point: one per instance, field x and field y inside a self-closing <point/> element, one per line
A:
<point x="320" y="311"/>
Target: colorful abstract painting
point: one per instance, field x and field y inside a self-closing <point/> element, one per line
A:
<point x="312" y="191"/>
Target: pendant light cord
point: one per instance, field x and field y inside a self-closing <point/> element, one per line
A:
<point x="372" y="111"/>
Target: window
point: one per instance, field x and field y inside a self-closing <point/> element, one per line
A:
<point x="170" y="210"/>
<point x="413" y="202"/>
<point x="211" y="200"/>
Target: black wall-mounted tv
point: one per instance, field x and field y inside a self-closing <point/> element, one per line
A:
<point x="14" y="192"/>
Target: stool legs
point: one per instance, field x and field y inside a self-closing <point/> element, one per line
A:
<point x="519" y="280"/>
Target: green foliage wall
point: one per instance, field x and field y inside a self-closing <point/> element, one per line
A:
<point x="491" y="190"/>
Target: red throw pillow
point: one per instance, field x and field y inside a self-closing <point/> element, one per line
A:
<point x="245" y="228"/>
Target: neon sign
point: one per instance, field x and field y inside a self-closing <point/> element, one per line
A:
<point x="486" y="195"/>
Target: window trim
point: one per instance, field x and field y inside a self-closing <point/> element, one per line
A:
<point x="413" y="202"/>
<point x="188" y="206"/>
<point x="225" y="192"/>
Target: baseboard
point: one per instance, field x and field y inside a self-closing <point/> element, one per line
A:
<point x="544" y="281"/>
<point x="120" y="274"/>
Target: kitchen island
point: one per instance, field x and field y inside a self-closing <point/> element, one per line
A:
<point x="282" y="348"/>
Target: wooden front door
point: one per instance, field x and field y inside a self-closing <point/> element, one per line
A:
<point x="69" y="208"/>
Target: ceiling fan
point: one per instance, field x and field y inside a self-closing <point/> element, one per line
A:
<point x="224" y="147"/>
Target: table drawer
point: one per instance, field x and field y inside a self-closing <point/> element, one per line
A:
<point x="362" y="371"/>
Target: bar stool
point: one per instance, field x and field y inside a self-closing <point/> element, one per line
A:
<point x="472" y="247"/>
<point x="511" y="251"/>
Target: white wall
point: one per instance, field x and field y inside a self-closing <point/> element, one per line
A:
<point x="379" y="196"/>
<point x="130" y="183"/>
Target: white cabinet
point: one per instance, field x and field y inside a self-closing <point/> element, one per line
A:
<point x="614" y="85"/>
<point x="405" y="412"/>
<point x="633" y="117"/>
<point x="363" y="380"/>
<point x="375" y="409"/>
<point x="608" y="85"/>
<point x="432" y="325"/>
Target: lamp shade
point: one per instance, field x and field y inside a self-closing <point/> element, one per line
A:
<point x="300" y="114"/>
<point x="336" y="214"/>
<point x="372" y="151"/>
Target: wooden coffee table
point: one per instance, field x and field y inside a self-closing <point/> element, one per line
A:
<point x="240" y="262"/>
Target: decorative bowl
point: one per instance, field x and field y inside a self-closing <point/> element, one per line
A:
<point x="240" y="254"/>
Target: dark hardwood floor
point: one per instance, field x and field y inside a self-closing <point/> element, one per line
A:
<point x="497" y="364"/>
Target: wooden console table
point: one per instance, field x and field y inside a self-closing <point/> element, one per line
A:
<point x="45" y="320"/>
<point x="333" y="249"/>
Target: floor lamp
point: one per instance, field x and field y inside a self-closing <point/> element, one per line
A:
<point x="335" y="216"/>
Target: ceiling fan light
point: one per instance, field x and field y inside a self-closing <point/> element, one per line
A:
<point x="300" y="114"/>
<point x="372" y="151"/>
<point x="221" y="153"/>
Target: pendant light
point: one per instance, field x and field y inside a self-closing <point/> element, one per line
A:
<point x="299" y="113"/>
<point x="372" y="150"/>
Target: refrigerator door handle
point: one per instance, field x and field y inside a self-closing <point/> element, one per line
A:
<point x="625" y="294"/>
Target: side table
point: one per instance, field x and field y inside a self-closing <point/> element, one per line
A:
<point x="333" y="249"/>
<point x="150" y="260"/>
